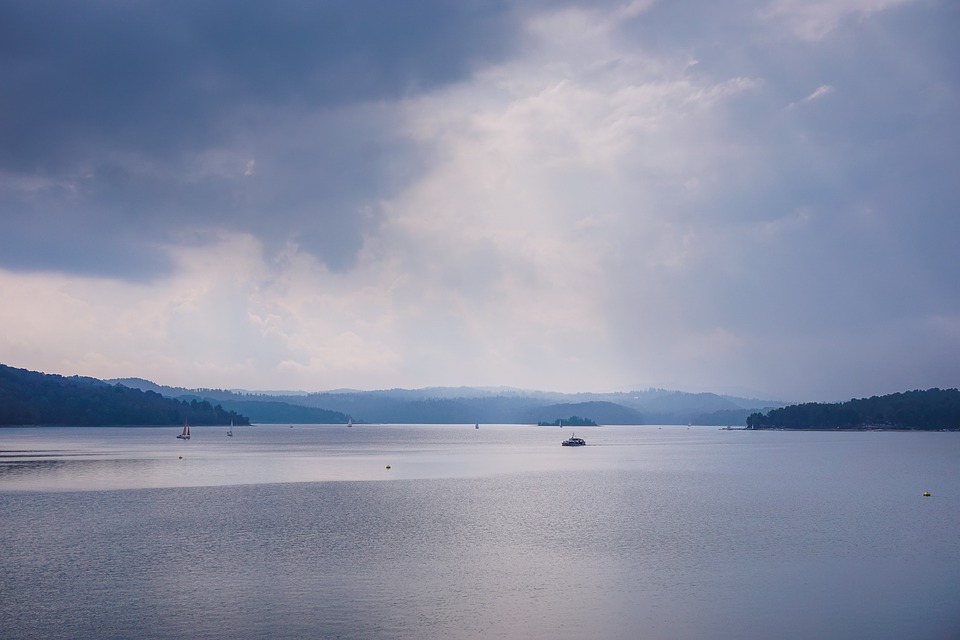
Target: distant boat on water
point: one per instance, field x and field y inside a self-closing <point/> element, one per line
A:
<point x="349" y="422"/>
<point x="230" y="432"/>
<point x="476" y="426"/>
<point x="185" y="435"/>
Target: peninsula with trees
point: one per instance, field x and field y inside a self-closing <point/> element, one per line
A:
<point x="930" y="410"/>
<point x="32" y="398"/>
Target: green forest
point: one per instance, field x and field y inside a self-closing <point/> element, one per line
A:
<point x="930" y="410"/>
<point x="32" y="398"/>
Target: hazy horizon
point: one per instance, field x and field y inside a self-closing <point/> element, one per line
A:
<point x="487" y="389"/>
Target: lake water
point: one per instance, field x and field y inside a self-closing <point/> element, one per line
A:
<point x="498" y="532"/>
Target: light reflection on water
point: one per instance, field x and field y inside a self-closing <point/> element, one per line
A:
<point x="65" y="459"/>
<point x="490" y="533"/>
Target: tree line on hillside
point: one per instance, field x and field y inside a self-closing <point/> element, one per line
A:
<point x="277" y="412"/>
<point x="930" y="410"/>
<point x="31" y="398"/>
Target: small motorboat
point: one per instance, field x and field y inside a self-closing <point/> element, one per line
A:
<point x="574" y="441"/>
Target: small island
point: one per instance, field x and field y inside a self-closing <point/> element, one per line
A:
<point x="572" y="421"/>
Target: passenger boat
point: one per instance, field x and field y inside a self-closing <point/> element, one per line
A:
<point x="574" y="441"/>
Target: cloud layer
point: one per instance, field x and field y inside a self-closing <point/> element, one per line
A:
<point x="759" y="197"/>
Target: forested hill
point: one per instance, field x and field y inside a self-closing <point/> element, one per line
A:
<point x="30" y="398"/>
<point x="930" y="410"/>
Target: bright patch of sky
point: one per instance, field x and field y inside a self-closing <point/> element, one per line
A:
<point x="751" y="197"/>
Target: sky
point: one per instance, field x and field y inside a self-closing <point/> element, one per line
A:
<point x="755" y="197"/>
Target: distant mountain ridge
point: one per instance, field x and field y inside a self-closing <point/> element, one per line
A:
<point x="463" y="405"/>
<point x="30" y="397"/>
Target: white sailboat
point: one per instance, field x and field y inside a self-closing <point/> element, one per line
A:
<point x="349" y="422"/>
<point x="230" y="432"/>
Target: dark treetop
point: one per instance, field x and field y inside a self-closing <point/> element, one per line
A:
<point x="930" y="410"/>
<point x="29" y="398"/>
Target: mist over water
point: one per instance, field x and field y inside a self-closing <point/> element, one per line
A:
<point x="496" y="532"/>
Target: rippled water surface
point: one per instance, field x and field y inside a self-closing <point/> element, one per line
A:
<point x="495" y="532"/>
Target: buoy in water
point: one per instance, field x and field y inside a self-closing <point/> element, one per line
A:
<point x="926" y="493"/>
<point x="181" y="457"/>
<point x="388" y="466"/>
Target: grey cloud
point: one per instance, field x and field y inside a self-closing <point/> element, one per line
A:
<point x="885" y="138"/>
<point x="160" y="74"/>
<point x="834" y="219"/>
<point x="115" y="100"/>
<point x="48" y="240"/>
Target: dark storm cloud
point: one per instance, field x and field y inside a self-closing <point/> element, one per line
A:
<point x="102" y="103"/>
<point x="156" y="74"/>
